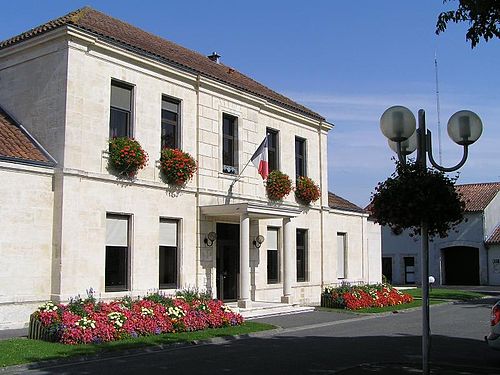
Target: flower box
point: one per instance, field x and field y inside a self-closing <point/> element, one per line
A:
<point x="178" y="167"/>
<point x="306" y="191"/>
<point x="126" y="156"/>
<point x="278" y="185"/>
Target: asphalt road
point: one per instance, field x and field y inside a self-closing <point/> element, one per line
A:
<point x="322" y="343"/>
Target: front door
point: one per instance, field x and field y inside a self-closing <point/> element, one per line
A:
<point x="228" y="261"/>
<point x="387" y="268"/>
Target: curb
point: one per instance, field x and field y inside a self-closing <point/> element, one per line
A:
<point x="19" y="369"/>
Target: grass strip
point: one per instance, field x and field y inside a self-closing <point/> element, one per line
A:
<point x="375" y="310"/>
<point x="18" y="351"/>
<point x="445" y="294"/>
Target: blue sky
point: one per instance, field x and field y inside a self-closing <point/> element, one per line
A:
<point x="348" y="60"/>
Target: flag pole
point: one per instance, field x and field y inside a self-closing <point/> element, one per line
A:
<point x="246" y="165"/>
<point x="240" y="174"/>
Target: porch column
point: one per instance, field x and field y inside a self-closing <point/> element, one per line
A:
<point x="288" y="260"/>
<point x="244" y="299"/>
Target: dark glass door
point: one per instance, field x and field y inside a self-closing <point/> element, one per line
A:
<point x="228" y="261"/>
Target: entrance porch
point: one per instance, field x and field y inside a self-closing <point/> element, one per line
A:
<point x="240" y="285"/>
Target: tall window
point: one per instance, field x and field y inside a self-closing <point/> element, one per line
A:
<point x="121" y="110"/>
<point x="301" y="245"/>
<point x="168" y="254"/>
<point x="341" y="255"/>
<point x="272" y="150"/>
<point x="117" y="253"/>
<point x="272" y="256"/>
<point x="229" y="144"/>
<point x="300" y="157"/>
<point x="169" y="123"/>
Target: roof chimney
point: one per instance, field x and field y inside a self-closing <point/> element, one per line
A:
<point x="214" y="57"/>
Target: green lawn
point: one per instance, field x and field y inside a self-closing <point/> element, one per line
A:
<point x="445" y="294"/>
<point x="20" y="350"/>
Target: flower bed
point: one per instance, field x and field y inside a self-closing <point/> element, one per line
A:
<point x="87" y="321"/>
<point x="359" y="297"/>
<point x="306" y="190"/>
<point x="278" y="185"/>
<point x="126" y="156"/>
<point x="177" y="166"/>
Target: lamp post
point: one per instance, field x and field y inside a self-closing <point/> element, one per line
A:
<point x="399" y="126"/>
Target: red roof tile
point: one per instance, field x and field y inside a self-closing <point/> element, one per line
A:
<point x="144" y="43"/>
<point x="494" y="238"/>
<point x="339" y="203"/>
<point x="478" y="196"/>
<point x="17" y="144"/>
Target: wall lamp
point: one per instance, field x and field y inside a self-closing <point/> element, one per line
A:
<point x="210" y="238"/>
<point x="258" y="241"/>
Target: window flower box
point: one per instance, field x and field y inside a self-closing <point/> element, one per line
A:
<point x="178" y="167"/>
<point x="278" y="185"/>
<point x="126" y="156"/>
<point x="306" y="191"/>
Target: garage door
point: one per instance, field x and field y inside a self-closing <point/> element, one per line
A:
<point x="461" y="265"/>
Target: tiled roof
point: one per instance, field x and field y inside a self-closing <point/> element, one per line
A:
<point x="478" y="196"/>
<point x="17" y="144"/>
<point x="494" y="238"/>
<point x="152" y="46"/>
<point x="339" y="203"/>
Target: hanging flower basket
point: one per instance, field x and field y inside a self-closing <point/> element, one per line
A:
<point x="178" y="167"/>
<point x="126" y="156"/>
<point x="413" y="195"/>
<point x="306" y="191"/>
<point x="278" y="185"/>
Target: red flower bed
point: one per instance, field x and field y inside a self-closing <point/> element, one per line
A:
<point x="88" y="321"/>
<point x="361" y="297"/>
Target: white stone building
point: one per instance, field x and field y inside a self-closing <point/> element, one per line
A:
<point x="68" y="224"/>
<point x="469" y="255"/>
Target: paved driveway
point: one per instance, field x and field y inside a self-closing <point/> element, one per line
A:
<point x="324" y="343"/>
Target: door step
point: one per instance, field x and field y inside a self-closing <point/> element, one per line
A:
<point x="269" y="309"/>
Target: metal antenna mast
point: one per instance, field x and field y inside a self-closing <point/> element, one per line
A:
<point x="438" y="107"/>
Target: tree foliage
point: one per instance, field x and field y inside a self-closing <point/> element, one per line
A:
<point x="483" y="17"/>
<point x="413" y="195"/>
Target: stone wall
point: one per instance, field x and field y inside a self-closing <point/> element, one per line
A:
<point x="26" y="202"/>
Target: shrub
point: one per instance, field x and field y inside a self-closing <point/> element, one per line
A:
<point x="126" y="156"/>
<point x="178" y="167"/>
<point x="278" y="185"/>
<point x="306" y="190"/>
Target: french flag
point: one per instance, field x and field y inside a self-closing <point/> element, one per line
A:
<point x="259" y="159"/>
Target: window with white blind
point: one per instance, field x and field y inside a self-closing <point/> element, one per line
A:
<point x="168" y="274"/>
<point x="117" y="253"/>
<point x="341" y="255"/>
<point x="272" y="256"/>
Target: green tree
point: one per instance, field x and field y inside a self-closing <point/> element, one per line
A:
<point x="483" y="17"/>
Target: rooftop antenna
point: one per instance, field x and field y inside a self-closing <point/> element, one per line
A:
<point x="438" y="107"/>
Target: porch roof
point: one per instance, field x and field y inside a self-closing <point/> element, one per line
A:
<point x="254" y="210"/>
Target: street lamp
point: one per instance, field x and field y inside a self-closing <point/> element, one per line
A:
<point x="399" y="126"/>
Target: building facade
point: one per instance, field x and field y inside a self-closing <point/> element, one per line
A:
<point x="469" y="255"/>
<point x="84" y="78"/>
